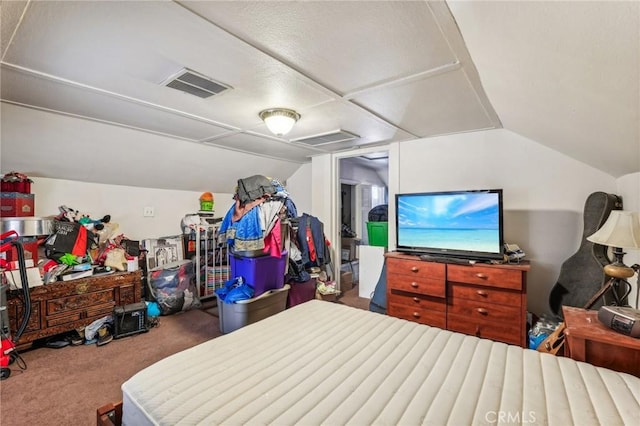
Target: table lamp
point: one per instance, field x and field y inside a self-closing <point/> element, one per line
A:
<point x="620" y="231"/>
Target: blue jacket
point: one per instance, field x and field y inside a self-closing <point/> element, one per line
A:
<point x="317" y="239"/>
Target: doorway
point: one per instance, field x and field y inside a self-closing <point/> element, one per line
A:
<point x="363" y="184"/>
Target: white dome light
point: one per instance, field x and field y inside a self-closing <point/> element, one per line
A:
<point x="280" y="121"/>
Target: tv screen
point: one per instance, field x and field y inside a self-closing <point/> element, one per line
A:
<point x="465" y="224"/>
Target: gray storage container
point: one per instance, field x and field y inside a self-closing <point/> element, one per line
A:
<point x="244" y="312"/>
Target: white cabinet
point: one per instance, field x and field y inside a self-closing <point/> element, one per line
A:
<point x="370" y="268"/>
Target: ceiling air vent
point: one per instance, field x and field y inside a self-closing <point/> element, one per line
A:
<point x="328" y="138"/>
<point x="195" y="84"/>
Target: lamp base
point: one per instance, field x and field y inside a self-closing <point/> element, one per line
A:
<point x="618" y="270"/>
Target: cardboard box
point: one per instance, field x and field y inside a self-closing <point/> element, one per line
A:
<point x="329" y="297"/>
<point x="14" y="279"/>
<point x="17" y="204"/>
<point x="30" y="247"/>
<point x="345" y="254"/>
<point x="348" y="247"/>
<point x="346" y="281"/>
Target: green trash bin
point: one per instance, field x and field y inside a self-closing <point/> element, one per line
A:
<point x="378" y="233"/>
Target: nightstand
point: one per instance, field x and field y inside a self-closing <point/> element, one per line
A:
<point x="591" y="341"/>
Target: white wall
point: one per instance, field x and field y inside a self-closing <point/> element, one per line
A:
<point x="353" y="173"/>
<point x="299" y="188"/>
<point x="124" y="204"/>
<point x="544" y="191"/>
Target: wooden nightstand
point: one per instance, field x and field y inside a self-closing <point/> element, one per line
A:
<point x="591" y="341"/>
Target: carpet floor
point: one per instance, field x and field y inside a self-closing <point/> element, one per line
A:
<point x="65" y="386"/>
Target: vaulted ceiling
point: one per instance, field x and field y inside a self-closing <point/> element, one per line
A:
<point x="565" y="74"/>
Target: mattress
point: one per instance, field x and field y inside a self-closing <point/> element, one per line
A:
<point x="326" y="363"/>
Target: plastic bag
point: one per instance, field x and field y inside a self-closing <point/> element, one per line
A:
<point x="233" y="290"/>
<point x="173" y="287"/>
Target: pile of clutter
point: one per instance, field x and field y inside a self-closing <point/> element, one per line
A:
<point x="542" y="328"/>
<point x="99" y="332"/>
<point x="81" y="246"/>
<point x="325" y="288"/>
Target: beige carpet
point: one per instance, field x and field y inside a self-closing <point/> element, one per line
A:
<point x="65" y="386"/>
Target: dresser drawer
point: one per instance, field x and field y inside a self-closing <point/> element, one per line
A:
<point x="128" y="294"/>
<point x="67" y="317"/>
<point x="416" y="277"/>
<point x="15" y="310"/>
<point x="507" y="332"/>
<point x="417" y="314"/>
<point x="418" y="285"/>
<point x="481" y="311"/>
<point x="486" y="276"/>
<point x="416" y="268"/>
<point x="80" y="301"/>
<point x="485" y="294"/>
<point x="414" y="300"/>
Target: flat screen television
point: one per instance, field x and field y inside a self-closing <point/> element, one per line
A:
<point x="463" y="224"/>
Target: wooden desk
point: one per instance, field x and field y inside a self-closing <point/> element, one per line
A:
<point x="591" y="341"/>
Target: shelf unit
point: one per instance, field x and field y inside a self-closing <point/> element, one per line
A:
<point x="211" y="261"/>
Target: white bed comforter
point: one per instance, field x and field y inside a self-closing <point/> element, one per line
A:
<point x="326" y="363"/>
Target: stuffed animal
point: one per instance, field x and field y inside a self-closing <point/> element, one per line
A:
<point x="67" y="214"/>
<point x="93" y="224"/>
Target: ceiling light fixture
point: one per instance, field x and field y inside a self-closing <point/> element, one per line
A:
<point x="279" y="120"/>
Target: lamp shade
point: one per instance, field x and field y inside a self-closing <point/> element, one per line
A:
<point x="279" y="121"/>
<point x="622" y="230"/>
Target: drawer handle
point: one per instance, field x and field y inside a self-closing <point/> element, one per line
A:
<point x="415" y="299"/>
<point x="482" y="293"/>
<point x="482" y="311"/>
<point x="415" y="269"/>
<point x="82" y="288"/>
<point x="414" y="284"/>
<point x="416" y="315"/>
<point x="481" y="275"/>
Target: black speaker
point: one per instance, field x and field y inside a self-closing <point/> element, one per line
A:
<point x="129" y="319"/>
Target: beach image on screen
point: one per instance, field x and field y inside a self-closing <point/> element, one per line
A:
<point x="461" y="221"/>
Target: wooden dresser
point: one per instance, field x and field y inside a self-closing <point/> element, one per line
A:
<point x="63" y="306"/>
<point x="483" y="300"/>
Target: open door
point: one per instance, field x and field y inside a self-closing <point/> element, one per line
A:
<point x="362" y="186"/>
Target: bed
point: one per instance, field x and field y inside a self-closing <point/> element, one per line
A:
<point x="326" y="363"/>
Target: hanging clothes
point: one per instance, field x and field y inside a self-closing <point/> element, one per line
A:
<point x="273" y="241"/>
<point x="311" y="241"/>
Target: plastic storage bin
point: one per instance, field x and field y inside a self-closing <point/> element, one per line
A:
<point x="263" y="273"/>
<point x="378" y="233"/>
<point x="244" y="312"/>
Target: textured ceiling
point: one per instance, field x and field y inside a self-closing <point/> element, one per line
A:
<point x="563" y="74"/>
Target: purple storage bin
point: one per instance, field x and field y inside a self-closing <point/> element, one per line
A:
<point x="263" y="273"/>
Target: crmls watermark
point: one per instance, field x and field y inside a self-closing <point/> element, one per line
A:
<point x="511" y="417"/>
